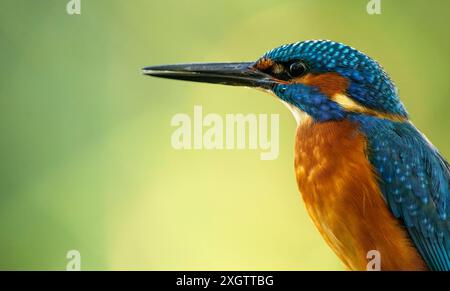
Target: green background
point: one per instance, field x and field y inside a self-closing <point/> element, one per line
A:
<point x="86" y="161"/>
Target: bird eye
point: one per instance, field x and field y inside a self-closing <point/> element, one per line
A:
<point x="297" y="69"/>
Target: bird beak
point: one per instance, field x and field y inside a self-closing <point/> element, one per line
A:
<point x="234" y="74"/>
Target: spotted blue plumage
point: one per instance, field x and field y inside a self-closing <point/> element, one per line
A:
<point x="413" y="176"/>
<point x="310" y="100"/>
<point x="414" y="179"/>
<point x="369" y="84"/>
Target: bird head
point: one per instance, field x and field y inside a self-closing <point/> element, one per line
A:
<point x="324" y="79"/>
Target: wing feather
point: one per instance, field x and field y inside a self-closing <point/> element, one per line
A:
<point x="414" y="179"/>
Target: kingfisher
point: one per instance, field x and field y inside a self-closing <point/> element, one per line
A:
<point x="370" y="180"/>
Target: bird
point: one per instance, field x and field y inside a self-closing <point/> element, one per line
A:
<point x="370" y="180"/>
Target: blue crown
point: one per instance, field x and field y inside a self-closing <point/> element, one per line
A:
<point x="369" y="83"/>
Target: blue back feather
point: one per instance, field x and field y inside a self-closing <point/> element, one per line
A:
<point x="413" y="176"/>
<point x="414" y="179"/>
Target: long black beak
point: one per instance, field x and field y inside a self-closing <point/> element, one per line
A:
<point x="234" y="74"/>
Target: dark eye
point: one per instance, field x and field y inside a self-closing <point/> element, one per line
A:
<point x="297" y="69"/>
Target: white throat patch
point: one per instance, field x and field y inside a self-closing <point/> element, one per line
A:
<point x="299" y="115"/>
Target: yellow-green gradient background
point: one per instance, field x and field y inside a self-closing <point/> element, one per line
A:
<point x="86" y="160"/>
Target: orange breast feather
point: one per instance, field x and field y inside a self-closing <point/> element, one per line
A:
<point x="342" y="196"/>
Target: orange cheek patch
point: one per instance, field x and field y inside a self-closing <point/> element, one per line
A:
<point x="264" y="64"/>
<point x="328" y="83"/>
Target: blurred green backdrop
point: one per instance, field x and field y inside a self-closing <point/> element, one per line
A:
<point x="86" y="160"/>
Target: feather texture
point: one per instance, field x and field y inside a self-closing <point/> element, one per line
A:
<point x="414" y="180"/>
<point x="344" y="200"/>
